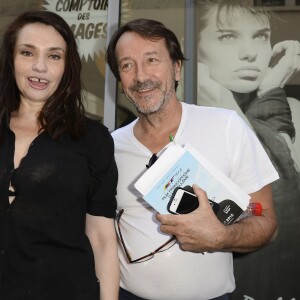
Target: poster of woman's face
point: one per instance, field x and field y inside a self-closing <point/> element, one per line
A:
<point x="227" y="58"/>
<point x="241" y="66"/>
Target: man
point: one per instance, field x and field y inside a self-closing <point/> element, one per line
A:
<point x="146" y="57"/>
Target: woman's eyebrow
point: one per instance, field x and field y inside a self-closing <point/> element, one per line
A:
<point x="264" y="30"/>
<point x="33" y="47"/>
<point x="222" y="30"/>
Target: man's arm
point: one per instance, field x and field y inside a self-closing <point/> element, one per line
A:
<point x="201" y="231"/>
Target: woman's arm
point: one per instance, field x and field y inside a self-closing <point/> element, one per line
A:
<point x="102" y="236"/>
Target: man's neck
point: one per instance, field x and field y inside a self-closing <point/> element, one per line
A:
<point x="153" y="130"/>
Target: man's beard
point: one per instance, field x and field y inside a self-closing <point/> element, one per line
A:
<point x="138" y="87"/>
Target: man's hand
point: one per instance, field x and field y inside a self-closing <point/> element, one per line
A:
<point x="201" y="231"/>
<point x="197" y="231"/>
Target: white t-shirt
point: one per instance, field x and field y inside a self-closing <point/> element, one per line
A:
<point x="224" y="139"/>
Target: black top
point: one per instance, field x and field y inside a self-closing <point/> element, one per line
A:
<point x="44" y="252"/>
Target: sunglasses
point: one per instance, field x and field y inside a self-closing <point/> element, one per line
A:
<point x="152" y="160"/>
<point x="167" y="245"/>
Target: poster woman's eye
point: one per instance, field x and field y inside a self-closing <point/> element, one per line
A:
<point x="227" y="37"/>
<point x="262" y="36"/>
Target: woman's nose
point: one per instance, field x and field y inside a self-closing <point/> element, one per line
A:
<point x="247" y="51"/>
<point x="39" y="65"/>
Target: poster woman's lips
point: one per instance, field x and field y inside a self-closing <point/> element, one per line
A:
<point x="248" y="72"/>
<point x="248" y="68"/>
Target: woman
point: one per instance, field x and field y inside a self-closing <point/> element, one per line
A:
<point x="57" y="174"/>
<point x="237" y="71"/>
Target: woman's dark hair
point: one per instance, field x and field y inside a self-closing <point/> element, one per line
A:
<point x="229" y="9"/>
<point x="149" y="30"/>
<point x="64" y="111"/>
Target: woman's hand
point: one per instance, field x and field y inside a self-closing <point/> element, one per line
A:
<point x="288" y="65"/>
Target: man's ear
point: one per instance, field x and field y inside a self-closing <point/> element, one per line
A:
<point x="178" y="67"/>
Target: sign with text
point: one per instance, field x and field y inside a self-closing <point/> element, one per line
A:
<point x="88" y="21"/>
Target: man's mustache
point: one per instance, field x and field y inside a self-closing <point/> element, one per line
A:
<point x="145" y="85"/>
